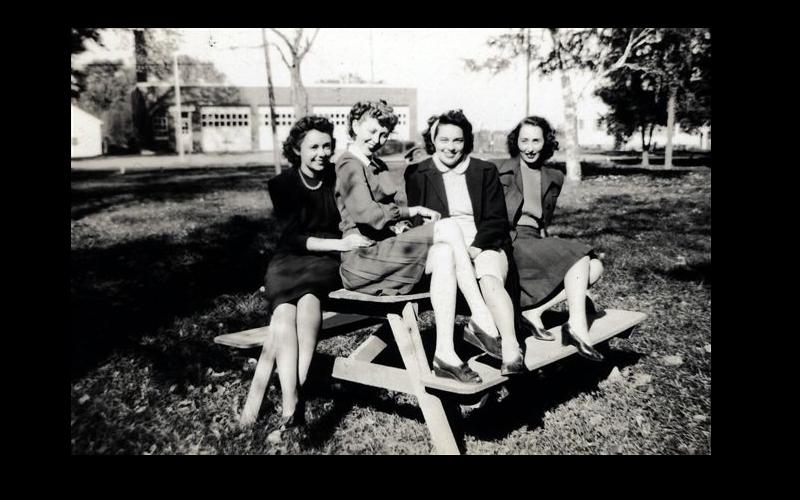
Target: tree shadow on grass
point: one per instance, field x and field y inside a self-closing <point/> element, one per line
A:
<point x="121" y="292"/>
<point x="93" y="192"/>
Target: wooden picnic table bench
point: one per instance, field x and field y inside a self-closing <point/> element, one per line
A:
<point x="437" y="397"/>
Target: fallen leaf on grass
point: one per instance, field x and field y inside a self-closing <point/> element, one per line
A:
<point x="615" y="376"/>
<point x="673" y="360"/>
<point x="83" y="399"/>
<point x="642" y="379"/>
<point x="707" y="348"/>
<point x="274" y="437"/>
<point x="699" y="418"/>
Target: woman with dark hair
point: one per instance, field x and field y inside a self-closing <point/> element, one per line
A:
<point x="468" y="191"/>
<point x="305" y="265"/>
<point x="550" y="269"/>
<point x="371" y="204"/>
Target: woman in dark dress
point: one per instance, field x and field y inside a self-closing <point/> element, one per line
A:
<point x="467" y="190"/>
<point x="372" y="203"/>
<point x="305" y="265"/>
<point x="550" y="269"/>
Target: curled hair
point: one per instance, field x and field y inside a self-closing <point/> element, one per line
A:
<point x="453" y="117"/>
<point x="379" y="110"/>
<point x="550" y="142"/>
<point x="299" y="131"/>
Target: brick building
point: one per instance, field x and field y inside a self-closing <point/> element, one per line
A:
<point x="218" y="118"/>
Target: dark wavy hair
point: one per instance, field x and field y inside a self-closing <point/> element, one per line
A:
<point x="453" y="117"/>
<point x="299" y="131"/>
<point x="550" y="142"/>
<point x="379" y="110"/>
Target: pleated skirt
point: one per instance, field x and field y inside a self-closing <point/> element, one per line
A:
<point x="392" y="266"/>
<point x="543" y="262"/>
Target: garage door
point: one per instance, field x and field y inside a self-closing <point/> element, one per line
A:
<point x="225" y="129"/>
<point x="284" y="119"/>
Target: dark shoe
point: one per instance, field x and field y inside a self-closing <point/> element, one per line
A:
<point x="296" y="419"/>
<point x="482" y="340"/>
<point x="515" y="367"/>
<point x="584" y="349"/>
<point x="462" y="373"/>
<point x="535" y="331"/>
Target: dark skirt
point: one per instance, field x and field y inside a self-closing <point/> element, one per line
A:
<point x="542" y="263"/>
<point x="290" y="276"/>
<point x="390" y="267"/>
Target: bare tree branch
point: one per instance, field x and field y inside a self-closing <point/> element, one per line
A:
<point x="298" y="36"/>
<point x="283" y="57"/>
<point x="310" y="41"/>
<point x="285" y="39"/>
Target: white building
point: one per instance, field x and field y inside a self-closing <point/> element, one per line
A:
<point x="86" y="132"/>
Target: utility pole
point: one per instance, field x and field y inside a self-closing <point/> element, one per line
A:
<point x="178" y="114"/>
<point x="271" y="98"/>
<point x="371" y="69"/>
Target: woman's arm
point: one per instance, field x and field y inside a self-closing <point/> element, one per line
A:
<point x="349" y="242"/>
<point x="357" y="198"/>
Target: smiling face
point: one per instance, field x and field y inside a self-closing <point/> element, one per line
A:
<point x="530" y="142"/>
<point x="315" y="152"/>
<point x="370" y="136"/>
<point x="449" y="144"/>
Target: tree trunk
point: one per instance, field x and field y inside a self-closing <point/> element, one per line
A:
<point x="670" y="127"/>
<point x="571" y="132"/>
<point x="276" y="151"/>
<point x="299" y="94"/>
<point x="645" y="149"/>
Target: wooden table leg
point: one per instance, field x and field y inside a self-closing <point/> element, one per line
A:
<point x="432" y="406"/>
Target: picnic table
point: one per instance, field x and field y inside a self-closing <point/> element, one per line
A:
<point x="438" y="398"/>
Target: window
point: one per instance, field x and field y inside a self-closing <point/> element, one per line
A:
<point x="161" y="125"/>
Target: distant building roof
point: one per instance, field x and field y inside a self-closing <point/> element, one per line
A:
<point x="322" y="95"/>
<point x="75" y="110"/>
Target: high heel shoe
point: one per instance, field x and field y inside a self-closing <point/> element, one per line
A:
<point x="515" y="367"/>
<point x="535" y="331"/>
<point x="482" y="340"/>
<point x="584" y="349"/>
<point x="462" y="372"/>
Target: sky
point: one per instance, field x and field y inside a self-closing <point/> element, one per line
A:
<point x="428" y="59"/>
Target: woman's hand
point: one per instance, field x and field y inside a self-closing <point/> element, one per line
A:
<point x="353" y="241"/>
<point x="474" y="252"/>
<point x="426" y="213"/>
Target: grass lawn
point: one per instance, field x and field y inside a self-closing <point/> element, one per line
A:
<point x="161" y="262"/>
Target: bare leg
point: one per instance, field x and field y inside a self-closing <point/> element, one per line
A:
<point x="576" y="282"/>
<point x="309" y="321"/>
<point x="441" y="267"/>
<point x="502" y="310"/>
<point x="535" y="315"/>
<point x="283" y="326"/>
<point x="447" y="231"/>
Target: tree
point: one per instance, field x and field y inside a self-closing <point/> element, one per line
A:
<point x="636" y="102"/>
<point x="78" y="39"/>
<point x="297" y="49"/>
<point x="509" y="46"/>
<point x="679" y="61"/>
<point x="570" y="53"/>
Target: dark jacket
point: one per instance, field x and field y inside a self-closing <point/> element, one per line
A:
<point x="511" y="180"/>
<point x="424" y="186"/>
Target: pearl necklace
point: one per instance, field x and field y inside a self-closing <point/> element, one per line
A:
<point x="303" y="179"/>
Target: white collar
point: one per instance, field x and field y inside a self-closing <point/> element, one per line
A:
<point x="458" y="169"/>
<point x="353" y="149"/>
